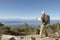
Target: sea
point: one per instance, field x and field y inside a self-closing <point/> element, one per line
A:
<point x="29" y="22"/>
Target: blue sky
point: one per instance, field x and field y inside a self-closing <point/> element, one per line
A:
<point x="29" y="9"/>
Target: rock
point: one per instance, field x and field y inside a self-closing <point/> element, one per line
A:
<point x="28" y="37"/>
<point x="56" y="35"/>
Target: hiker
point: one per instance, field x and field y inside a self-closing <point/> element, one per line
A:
<point x="45" y="20"/>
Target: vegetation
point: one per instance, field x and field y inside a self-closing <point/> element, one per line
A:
<point x="1" y="24"/>
<point x="27" y="30"/>
<point x="22" y="30"/>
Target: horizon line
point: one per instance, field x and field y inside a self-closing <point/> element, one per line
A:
<point x="26" y="19"/>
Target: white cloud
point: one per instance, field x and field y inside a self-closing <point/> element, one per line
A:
<point x="38" y="18"/>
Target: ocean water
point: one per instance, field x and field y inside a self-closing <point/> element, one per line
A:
<point x="29" y="22"/>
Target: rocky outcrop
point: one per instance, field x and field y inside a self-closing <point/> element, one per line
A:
<point x="28" y="37"/>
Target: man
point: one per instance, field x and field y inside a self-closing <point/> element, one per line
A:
<point x="45" y="20"/>
<point x="43" y="17"/>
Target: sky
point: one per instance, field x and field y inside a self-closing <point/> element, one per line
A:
<point x="29" y="9"/>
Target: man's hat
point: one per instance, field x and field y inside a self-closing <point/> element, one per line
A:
<point x="43" y="12"/>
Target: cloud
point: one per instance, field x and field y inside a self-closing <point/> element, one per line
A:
<point x="38" y="18"/>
